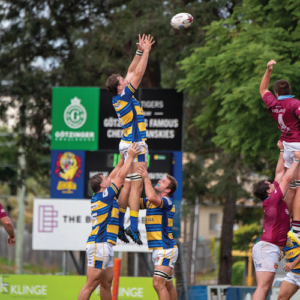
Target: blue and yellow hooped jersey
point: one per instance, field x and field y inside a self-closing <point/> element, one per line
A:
<point x="131" y="116"/>
<point x="105" y="216"/>
<point x="291" y="252"/>
<point x="159" y="223"/>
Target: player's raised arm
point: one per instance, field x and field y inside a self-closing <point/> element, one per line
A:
<point x="114" y="172"/>
<point x="122" y="173"/>
<point x="142" y="65"/>
<point x="136" y="59"/>
<point x="280" y="170"/>
<point x="266" y="79"/>
<point x="149" y="190"/>
<point x="290" y="174"/>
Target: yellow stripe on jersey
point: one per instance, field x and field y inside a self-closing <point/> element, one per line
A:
<point x="154" y="235"/>
<point x="127" y="118"/>
<point x="170" y="235"/>
<point x="162" y="204"/>
<point x="153" y="219"/>
<point x="95" y="231"/>
<point x="170" y="222"/>
<point x="123" y="210"/>
<point x="100" y="219"/>
<point x="127" y="131"/>
<point x="132" y="89"/>
<point x="297" y="266"/>
<point x="142" y="203"/>
<point x="139" y="110"/>
<point x="119" y="105"/>
<point x="98" y="205"/>
<point x="113" y="229"/>
<point x="142" y="126"/>
<point x="114" y="188"/>
<point x="292" y="253"/>
<point x="111" y="241"/>
<point x="115" y="213"/>
<point x="173" y="209"/>
<point x="127" y="142"/>
<point x="90" y="243"/>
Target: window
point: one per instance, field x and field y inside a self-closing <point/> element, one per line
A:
<point x="212" y="221"/>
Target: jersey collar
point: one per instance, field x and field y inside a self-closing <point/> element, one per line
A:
<point x="285" y="97"/>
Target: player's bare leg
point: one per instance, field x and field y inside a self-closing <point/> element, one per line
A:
<point x="134" y="201"/>
<point x="296" y="210"/>
<point x="287" y="290"/>
<point x="264" y="283"/>
<point x="94" y="277"/>
<point x="105" y="286"/>
<point x="171" y="289"/>
<point x="160" y="284"/>
<point x="123" y="203"/>
<point x="289" y="198"/>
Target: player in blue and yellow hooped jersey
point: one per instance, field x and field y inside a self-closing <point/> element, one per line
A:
<point x="131" y="117"/>
<point x="291" y="283"/>
<point x="105" y="227"/>
<point x="159" y="222"/>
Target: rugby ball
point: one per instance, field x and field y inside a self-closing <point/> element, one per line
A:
<point x="182" y="20"/>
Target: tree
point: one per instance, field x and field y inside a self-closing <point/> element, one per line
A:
<point x="229" y="68"/>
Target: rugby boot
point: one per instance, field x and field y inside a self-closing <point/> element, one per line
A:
<point x="122" y="236"/>
<point x="135" y="235"/>
<point x="295" y="237"/>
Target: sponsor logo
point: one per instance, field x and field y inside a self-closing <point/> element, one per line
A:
<point x="75" y="114"/>
<point x="2" y="210"/>
<point x="257" y="266"/>
<point x="68" y="167"/>
<point x="275" y="266"/>
<point x="46" y="218"/>
<point x="287" y="212"/>
<point x="173" y="263"/>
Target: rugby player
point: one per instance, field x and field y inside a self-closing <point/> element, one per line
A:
<point x="159" y="222"/>
<point x="285" y="110"/>
<point x="131" y="117"/>
<point x="105" y="215"/>
<point x="291" y="283"/>
<point x="267" y="252"/>
<point x="8" y="226"/>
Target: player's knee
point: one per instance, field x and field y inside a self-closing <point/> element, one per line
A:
<point x="158" y="283"/>
<point x="281" y="296"/>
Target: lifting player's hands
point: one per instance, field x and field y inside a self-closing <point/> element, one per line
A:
<point x="297" y="155"/>
<point x="141" y="43"/>
<point x="270" y="64"/>
<point x="288" y="267"/>
<point x="142" y="171"/>
<point x="148" y="42"/>
<point x="134" y="150"/>
<point x="280" y="145"/>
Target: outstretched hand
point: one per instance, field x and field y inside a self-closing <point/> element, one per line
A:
<point x="148" y="42"/>
<point x="142" y="171"/>
<point x="270" y="64"/>
<point x="134" y="150"/>
<point x="280" y="145"/>
<point x="141" y="43"/>
<point x="11" y="241"/>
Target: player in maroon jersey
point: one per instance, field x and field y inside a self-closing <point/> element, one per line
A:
<point x="8" y="226"/>
<point x="268" y="251"/>
<point x="285" y="110"/>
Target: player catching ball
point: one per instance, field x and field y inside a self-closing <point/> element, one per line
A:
<point x="285" y="110"/>
<point x="131" y="117"/>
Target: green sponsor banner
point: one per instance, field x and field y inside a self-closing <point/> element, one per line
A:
<point x="68" y="287"/>
<point x="75" y="118"/>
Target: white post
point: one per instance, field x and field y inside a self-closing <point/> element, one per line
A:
<point x="64" y="262"/>
<point x="194" y="243"/>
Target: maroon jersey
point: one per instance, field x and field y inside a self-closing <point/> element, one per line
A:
<point x="286" y="114"/>
<point x="2" y="212"/>
<point x="276" y="218"/>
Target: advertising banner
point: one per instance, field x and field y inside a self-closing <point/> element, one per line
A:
<point x="67" y="174"/>
<point x="75" y="118"/>
<point x="159" y="165"/>
<point x="163" y="111"/>
<point x="60" y="224"/>
<point x="68" y="287"/>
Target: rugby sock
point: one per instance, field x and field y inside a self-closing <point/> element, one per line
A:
<point x="134" y="218"/>
<point x="122" y="212"/>
<point x="296" y="226"/>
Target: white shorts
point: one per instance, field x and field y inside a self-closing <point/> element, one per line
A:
<point x="100" y="255"/>
<point x="141" y="157"/>
<point x="288" y="154"/>
<point x="166" y="257"/>
<point x="266" y="257"/>
<point x="292" y="278"/>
